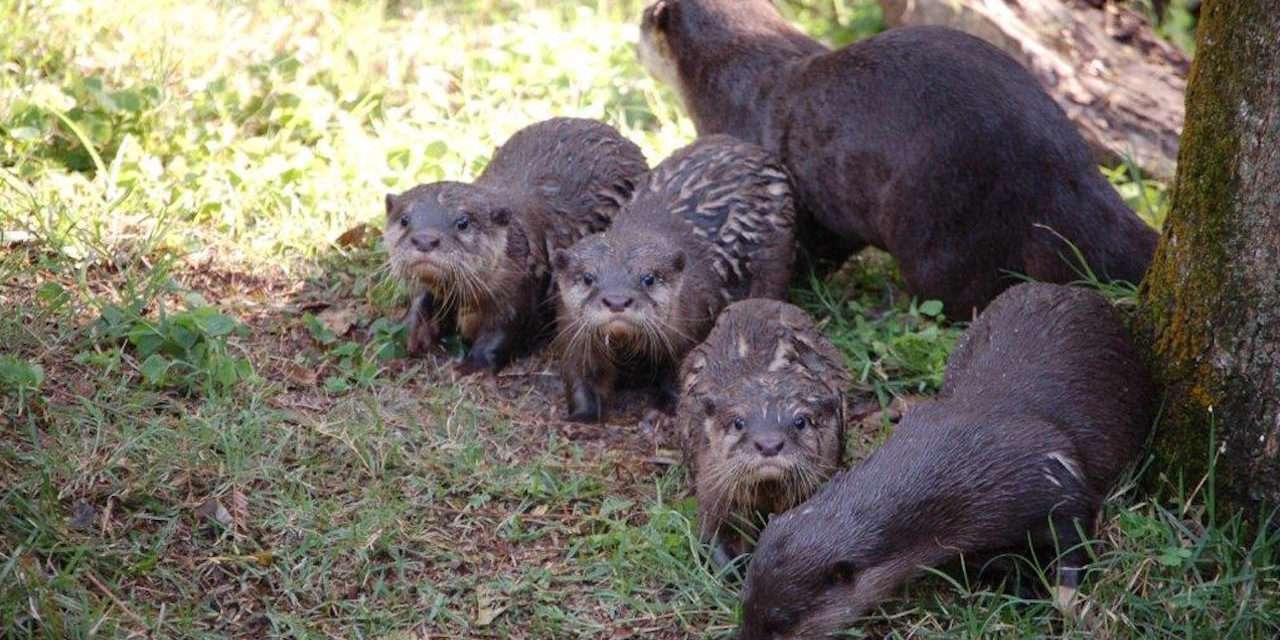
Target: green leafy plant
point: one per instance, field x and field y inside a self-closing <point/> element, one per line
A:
<point x="187" y="351"/>
<point x="355" y="364"/>
<point x="20" y="378"/>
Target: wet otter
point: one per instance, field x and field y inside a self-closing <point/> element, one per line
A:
<point x="479" y="253"/>
<point x="923" y="141"/>
<point x="1043" y="404"/>
<point x="762" y="416"/>
<point x="711" y="224"/>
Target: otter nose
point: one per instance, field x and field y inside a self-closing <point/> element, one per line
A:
<point x="617" y="303"/>
<point x="425" y="242"/>
<point x="769" y="447"/>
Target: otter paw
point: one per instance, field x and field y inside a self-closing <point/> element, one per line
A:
<point x="471" y="366"/>
<point x="422" y="338"/>
<point x="585" y="416"/>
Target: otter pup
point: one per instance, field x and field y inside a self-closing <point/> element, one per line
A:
<point x="923" y="141"/>
<point x="711" y="224"/>
<point x="1044" y="403"/>
<point x="479" y="253"/>
<point x="762" y="416"/>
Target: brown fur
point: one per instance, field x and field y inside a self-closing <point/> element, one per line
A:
<point x="479" y="253"/>
<point x="711" y="224"/>
<point x="1045" y="402"/>
<point x="923" y="141"/>
<point x="762" y="416"/>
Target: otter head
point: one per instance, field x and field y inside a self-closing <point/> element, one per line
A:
<point x="621" y="291"/>
<point x="770" y="441"/>
<point x="450" y="237"/>
<point x="654" y="48"/>
<point x="816" y="570"/>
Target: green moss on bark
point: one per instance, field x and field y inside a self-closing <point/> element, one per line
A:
<point x="1198" y="292"/>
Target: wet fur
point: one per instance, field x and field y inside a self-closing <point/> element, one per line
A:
<point x="550" y="184"/>
<point x="1045" y="402"/>
<point x="923" y="141"/>
<point x="763" y="359"/>
<point x="713" y="224"/>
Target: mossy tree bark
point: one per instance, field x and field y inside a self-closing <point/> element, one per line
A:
<point x="1211" y="301"/>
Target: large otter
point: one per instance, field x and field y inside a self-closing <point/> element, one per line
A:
<point x="923" y="141"/>
<point x="710" y="225"/>
<point x="1044" y="403"/>
<point x="762" y="417"/>
<point x="478" y="253"/>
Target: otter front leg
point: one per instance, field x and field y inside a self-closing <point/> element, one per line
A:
<point x="423" y="323"/>
<point x="587" y="395"/>
<point x="490" y="351"/>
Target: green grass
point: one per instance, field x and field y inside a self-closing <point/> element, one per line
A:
<point x="207" y="427"/>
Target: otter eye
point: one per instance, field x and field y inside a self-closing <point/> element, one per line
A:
<point x="404" y="222"/>
<point x="800" y="422"/>
<point x="462" y="223"/>
<point x="588" y="278"/>
<point x="648" y="280"/>
<point x="739" y="424"/>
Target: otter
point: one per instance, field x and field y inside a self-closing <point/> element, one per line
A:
<point x="710" y="225"/>
<point x="925" y="142"/>
<point x="1044" y="402"/>
<point x="762" y="418"/>
<point x="478" y="254"/>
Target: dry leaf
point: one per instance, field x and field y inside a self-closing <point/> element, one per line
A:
<point x="213" y="510"/>
<point x="339" y="320"/>
<point x="356" y="236"/>
<point x="489" y="605"/>
<point x="239" y="508"/>
<point x="538" y="511"/>
<point x="301" y="376"/>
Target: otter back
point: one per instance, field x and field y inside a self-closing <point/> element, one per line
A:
<point x="925" y="142"/>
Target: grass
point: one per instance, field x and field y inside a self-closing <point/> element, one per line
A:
<point x="207" y="427"/>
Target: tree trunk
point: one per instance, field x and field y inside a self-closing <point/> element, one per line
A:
<point x="1119" y="83"/>
<point x="1211" y="301"/>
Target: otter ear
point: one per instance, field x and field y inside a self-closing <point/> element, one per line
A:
<point x="502" y="216"/>
<point x="391" y="203"/>
<point x="842" y="572"/>
<point x="678" y="263"/>
<point x="560" y="260"/>
<point x="661" y="14"/>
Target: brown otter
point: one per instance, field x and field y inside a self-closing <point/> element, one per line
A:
<point x="1044" y="402"/>
<point x="923" y="141"/>
<point x="479" y="252"/>
<point x="711" y="224"/>
<point x="762" y="415"/>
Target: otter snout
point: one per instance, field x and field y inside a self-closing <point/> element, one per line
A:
<point x="425" y="241"/>
<point x="617" y="303"/>
<point x="770" y="445"/>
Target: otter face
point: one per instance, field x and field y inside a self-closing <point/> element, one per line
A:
<point x="449" y="237"/>
<point x="621" y="291"/>
<point x="771" y="430"/>
<point x="654" y="48"/>
<point x="806" y="581"/>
